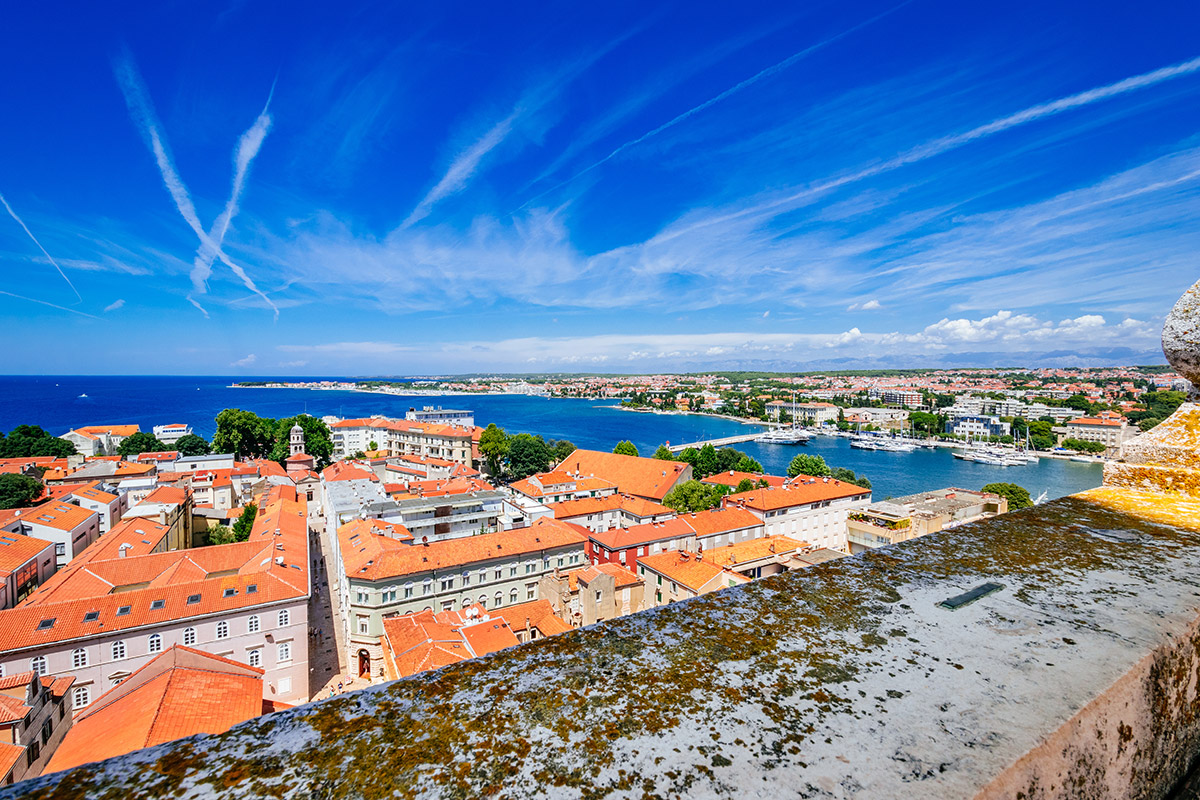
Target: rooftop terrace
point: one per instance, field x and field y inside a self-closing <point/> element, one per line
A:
<point x="1073" y="673"/>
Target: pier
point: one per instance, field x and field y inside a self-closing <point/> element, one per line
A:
<point x="744" y="437"/>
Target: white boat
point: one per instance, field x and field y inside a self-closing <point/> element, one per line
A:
<point x="83" y="397"/>
<point x="785" y="436"/>
<point x="1084" y="459"/>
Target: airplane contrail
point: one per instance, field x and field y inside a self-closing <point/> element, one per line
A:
<point x="142" y="111"/>
<point x="52" y="305"/>
<point x="954" y="141"/>
<point x="753" y="79"/>
<point x="21" y="222"/>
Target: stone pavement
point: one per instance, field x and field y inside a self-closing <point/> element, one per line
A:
<point x="327" y="648"/>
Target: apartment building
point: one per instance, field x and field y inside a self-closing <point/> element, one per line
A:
<point x="915" y="515"/>
<point x="694" y="531"/>
<point x="380" y="575"/>
<point x="908" y="398"/>
<point x="611" y="511"/>
<point x="593" y="594"/>
<point x="25" y="564"/>
<point x="172" y="432"/>
<point x="1109" y="429"/>
<point x="811" y="509"/>
<point x="171" y="507"/>
<point x="99" y="440"/>
<point x="449" y="441"/>
<point x="814" y="413"/>
<point x="121" y="603"/>
<point x="978" y="426"/>
<point x="180" y="692"/>
<point x="458" y="416"/>
<point x="647" y="478"/>
<point x="680" y="575"/>
<point x="34" y="719"/>
<point x="108" y="504"/>
<point x="68" y="526"/>
<point x="559" y="487"/>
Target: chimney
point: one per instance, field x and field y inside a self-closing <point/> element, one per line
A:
<point x="425" y="541"/>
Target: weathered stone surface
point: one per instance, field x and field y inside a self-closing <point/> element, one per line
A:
<point x="839" y="681"/>
<point x="1181" y="336"/>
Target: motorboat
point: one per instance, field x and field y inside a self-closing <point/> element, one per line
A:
<point x="785" y="436"/>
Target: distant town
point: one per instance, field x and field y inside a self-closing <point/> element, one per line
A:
<point x="147" y="574"/>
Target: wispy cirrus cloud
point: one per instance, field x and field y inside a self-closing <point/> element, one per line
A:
<point x="1004" y="330"/>
<point x="113" y="306"/>
<point x="462" y="168"/>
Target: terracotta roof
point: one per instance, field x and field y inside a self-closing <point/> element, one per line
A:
<point x="645" y="477"/>
<point x="347" y="471"/>
<point x="165" y="588"/>
<point x="58" y="686"/>
<point x="733" y="478"/>
<point x="537" y="614"/>
<point x="362" y="541"/>
<point x="400" y="560"/>
<point x="10" y="754"/>
<point x="61" y="516"/>
<point x="111" y="430"/>
<point x="426" y="640"/>
<point x="753" y="550"/>
<point x="17" y="549"/>
<point x="622" y="577"/>
<point x="635" y="535"/>
<point x="720" y="520"/>
<point x="180" y="692"/>
<point x="799" y="492"/>
<point x="683" y="568"/>
<point x="598" y="505"/>
<point x="1094" y="421"/>
<point x="167" y="495"/>
<point x="429" y="428"/>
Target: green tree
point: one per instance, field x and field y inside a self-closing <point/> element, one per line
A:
<point x="1018" y="497"/>
<point x="1084" y="446"/>
<point x="805" y="464"/>
<point x="140" y="442"/>
<point x="1040" y="434"/>
<point x="758" y="408"/>
<point x="847" y="476"/>
<point x="707" y="462"/>
<point x="243" y="433"/>
<point x="560" y="450"/>
<point x="1146" y="423"/>
<point x="688" y="456"/>
<point x="527" y="454"/>
<point x="694" y="496"/>
<point x="372" y="445"/>
<point x="748" y="464"/>
<point x="926" y="422"/>
<point x="318" y="440"/>
<point x="18" y="491"/>
<point x="26" y="441"/>
<point x="744" y="485"/>
<point x="244" y="523"/>
<point x="784" y="417"/>
<point x="663" y="453"/>
<point x="220" y="534"/>
<point x="192" y="445"/>
<point x="625" y="448"/>
<point x="493" y="446"/>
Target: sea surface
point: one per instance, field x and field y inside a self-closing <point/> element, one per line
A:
<point x="58" y="404"/>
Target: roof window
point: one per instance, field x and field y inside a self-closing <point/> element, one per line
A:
<point x="46" y="624"/>
<point x="229" y="593"/>
<point x="191" y="601"/>
<point x="157" y="604"/>
<point x="91" y="616"/>
<point x="122" y="611"/>
<point x="252" y="589"/>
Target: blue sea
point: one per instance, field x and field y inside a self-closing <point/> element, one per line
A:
<point x="59" y="404"/>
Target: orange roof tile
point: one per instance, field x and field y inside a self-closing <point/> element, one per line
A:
<point x="645" y="477"/>
<point x="598" y="505"/>
<point x="733" y="478"/>
<point x="683" y="568"/>
<point x="720" y="520"/>
<point x="60" y="516"/>
<point x="179" y="693"/>
<point x="622" y="577"/>
<point x="402" y="559"/>
<point x="797" y="493"/>
<point x="753" y="550"/>
<point x="635" y="535"/>
<point x="537" y="614"/>
<point x="17" y="549"/>
<point x="111" y="430"/>
<point x="426" y="640"/>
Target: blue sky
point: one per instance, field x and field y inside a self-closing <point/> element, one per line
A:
<point x="401" y="189"/>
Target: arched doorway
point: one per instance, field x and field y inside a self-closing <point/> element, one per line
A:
<point x="364" y="664"/>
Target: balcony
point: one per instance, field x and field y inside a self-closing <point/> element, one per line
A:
<point x="1070" y="673"/>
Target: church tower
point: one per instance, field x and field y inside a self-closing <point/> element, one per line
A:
<point x="296" y="440"/>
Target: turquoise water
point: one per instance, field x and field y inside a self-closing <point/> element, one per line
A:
<point x="55" y="404"/>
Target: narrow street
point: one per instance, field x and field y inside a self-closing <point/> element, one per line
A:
<point x="326" y="648"/>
